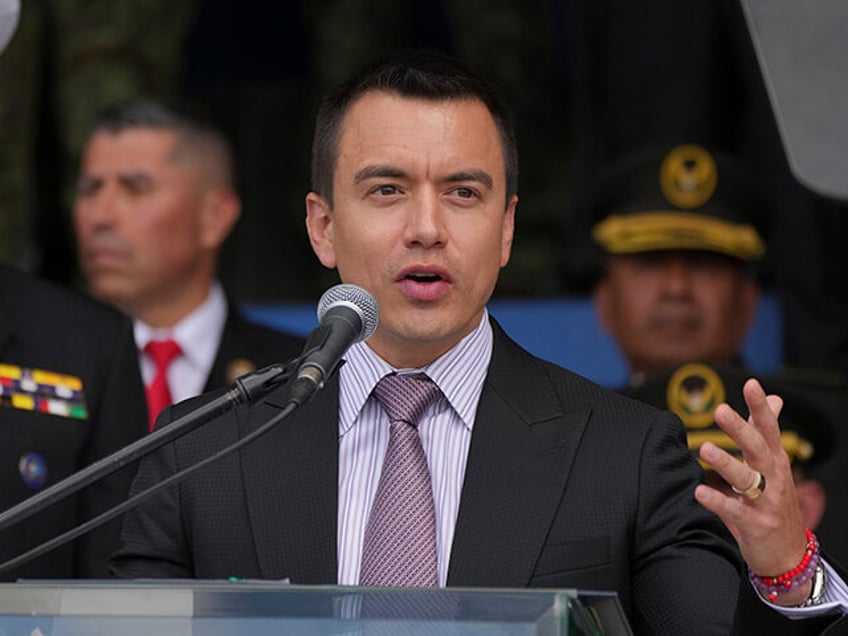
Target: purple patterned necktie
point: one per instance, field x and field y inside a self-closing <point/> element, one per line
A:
<point x="399" y="548"/>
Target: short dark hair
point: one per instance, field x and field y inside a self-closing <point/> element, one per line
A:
<point x="195" y="128"/>
<point x="417" y="74"/>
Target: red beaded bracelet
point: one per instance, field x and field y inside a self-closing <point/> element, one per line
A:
<point x="771" y="586"/>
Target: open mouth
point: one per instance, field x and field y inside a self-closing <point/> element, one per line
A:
<point x="423" y="278"/>
<point x="425" y="285"/>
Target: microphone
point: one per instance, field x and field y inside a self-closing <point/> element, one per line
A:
<point x="346" y="314"/>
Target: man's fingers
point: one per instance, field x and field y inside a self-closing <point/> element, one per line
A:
<point x="719" y="505"/>
<point x="740" y="476"/>
<point x="748" y="438"/>
<point x="764" y="411"/>
<point x="758" y="436"/>
<point x="775" y="403"/>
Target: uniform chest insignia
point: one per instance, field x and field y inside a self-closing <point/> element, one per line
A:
<point x="239" y="367"/>
<point x="42" y="391"/>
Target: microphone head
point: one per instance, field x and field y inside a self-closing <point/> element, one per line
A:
<point x="356" y="298"/>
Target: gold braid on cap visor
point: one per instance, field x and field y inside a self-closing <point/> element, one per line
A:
<point x="627" y="234"/>
<point x="796" y="447"/>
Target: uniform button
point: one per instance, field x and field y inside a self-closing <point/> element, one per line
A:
<point x="33" y="469"/>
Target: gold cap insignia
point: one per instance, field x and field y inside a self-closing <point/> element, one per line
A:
<point x="688" y="176"/>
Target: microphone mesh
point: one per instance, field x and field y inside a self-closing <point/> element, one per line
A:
<point x="358" y="299"/>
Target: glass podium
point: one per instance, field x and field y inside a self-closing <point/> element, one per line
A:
<point x="196" y="608"/>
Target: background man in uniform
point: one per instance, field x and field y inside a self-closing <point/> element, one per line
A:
<point x="70" y="393"/>
<point x="155" y="201"/>
<point x="683" y="235"/>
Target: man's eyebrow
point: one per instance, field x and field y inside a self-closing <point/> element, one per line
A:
<point x="480" y="176"/>
<point x="135" y="177"/>
<point x="385" y="171"/>
<point x="371" y="172"/>
<point x="88" y="183"/>
<point x="88" y="178"/>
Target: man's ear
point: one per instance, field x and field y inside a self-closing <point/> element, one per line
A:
<point x="219" y="214"/>
<point x="508" y="230"/>
<point x="602" y="301"/>
<point x="319" y="226"/>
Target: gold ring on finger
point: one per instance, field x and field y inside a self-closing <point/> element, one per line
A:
<point x="755" y="489"/>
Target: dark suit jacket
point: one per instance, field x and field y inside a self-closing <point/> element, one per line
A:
<point x="53" y="329"/>
<point x="245" y="344"/>
<point x="567" y="485"/>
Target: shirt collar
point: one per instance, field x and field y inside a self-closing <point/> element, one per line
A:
<point x="459" y="373"/>
<point x="198" y="334"/>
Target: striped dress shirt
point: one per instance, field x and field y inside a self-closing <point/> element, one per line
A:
<point x="445" y="431"/>
<point x="446" y="436"/>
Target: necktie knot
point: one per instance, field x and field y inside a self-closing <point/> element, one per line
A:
<point x="405" y="398"/>
<point x="162" y="352"/>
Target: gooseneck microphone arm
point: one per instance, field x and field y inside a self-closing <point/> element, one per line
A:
<point x="244" y="390"/>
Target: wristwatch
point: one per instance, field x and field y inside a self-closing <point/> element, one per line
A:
<point x="819" y="585"/>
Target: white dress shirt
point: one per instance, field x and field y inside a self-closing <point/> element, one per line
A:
<point x="198" y="335"/>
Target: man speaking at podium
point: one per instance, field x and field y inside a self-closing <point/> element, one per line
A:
<point x="443" y="454"/>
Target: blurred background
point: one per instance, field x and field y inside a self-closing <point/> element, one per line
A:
<point x="588" y="81"/>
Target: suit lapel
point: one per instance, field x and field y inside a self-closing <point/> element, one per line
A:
<point x="218" y="375"/>
<point x="291" y="485"/>
<point x="522" y="449"/>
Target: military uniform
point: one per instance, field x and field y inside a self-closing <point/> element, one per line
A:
<point x="687" y="198"/>
<point x="71" y="394"/>
<point x="693" y="391"/>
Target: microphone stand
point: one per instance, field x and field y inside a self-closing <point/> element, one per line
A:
<point x="130" y="503"/>
<point x="244" y="390"/>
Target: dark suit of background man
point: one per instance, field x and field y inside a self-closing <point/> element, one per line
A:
<point x="71" y="394"/>
<point x="155" y="201"/>
<point x="540" y="478"/>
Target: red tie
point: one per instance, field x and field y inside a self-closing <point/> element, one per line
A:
<point x="162" y="352"/>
